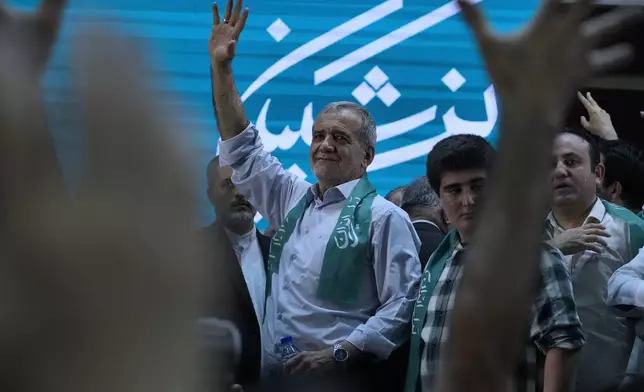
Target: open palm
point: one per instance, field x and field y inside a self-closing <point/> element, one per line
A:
<point x="225" y="33"/>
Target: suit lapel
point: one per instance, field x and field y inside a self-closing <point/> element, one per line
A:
<point x="232" y="266"/>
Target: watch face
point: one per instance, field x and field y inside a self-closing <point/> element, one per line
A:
<point x="340" y="355"/>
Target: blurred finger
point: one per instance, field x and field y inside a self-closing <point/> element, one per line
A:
<point x="603" y="28"/>
<point x="593" y="247"/>
<point x="236" y="388"/>
<point x="595" y="239"/>
<point x="584" y="101"/>
<point x="604" y="60"/>
<point x="302" y="367"/>
<point x="580" y="10"/>
<point x="28" y="162"/>
<point x="242" y="22"/>
<point x="474" y="19"/>
<point x="215" y="14"/>
<point x="642" y="114"/>
<point x="235" y="16"/>
<point x="129" y="146"/>
<point x="598" y="232"/>
<point x="52" y="11"/>
<point x="229" y="10"/>
<point x="292" y="363"/>
<point x="584" y="122"/>
<point x="594" y="226"/>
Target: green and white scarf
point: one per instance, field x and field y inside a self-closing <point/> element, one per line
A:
<point x="439" y="258"/>
<point x="635" y="225"/>
<point x="432" y="273"/>
<point x="348" y="247"/>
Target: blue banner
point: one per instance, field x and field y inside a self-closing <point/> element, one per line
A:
<point x="413" y="64"/>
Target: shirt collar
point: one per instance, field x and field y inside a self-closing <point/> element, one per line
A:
<point x="425" y="221"/>
<point x="597" y="214"/>
<point x="338" y="192"/>
<point x="240" y="240"/>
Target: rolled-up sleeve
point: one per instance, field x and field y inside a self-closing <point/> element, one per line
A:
<point x="556" y="323"/>
<point x="397" y="274"/>
<point x="626" y="288"/>
<point x="260" y="177"/>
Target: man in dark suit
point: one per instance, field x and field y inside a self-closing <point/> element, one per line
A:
<point x="237" y="255"/>
<point x="424" y="210"/>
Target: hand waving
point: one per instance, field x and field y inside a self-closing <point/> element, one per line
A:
<point x="544" y="63"/>
<point x="224" y="35"/>
<point x="598" y="122"/>
<point x="100" y="290"/>
<point x="34" y="33"/>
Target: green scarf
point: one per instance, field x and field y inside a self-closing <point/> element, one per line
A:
<point x="635" y="226"/>
<point x="348" y="247"/>
<point x="432" y="273"/>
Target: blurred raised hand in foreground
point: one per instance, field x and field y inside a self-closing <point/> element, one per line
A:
<point x="535" y="72"/>
<point x="100" y="289"/>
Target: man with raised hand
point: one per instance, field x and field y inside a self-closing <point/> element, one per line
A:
<point x="535" y="72"/>
<point x="343" y="268"/>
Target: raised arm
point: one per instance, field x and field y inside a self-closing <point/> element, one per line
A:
<point x="229" y="110"/>
<point x="258" y="175"/>
<point x="535" y="72"/>
<point x="598" y="122"/>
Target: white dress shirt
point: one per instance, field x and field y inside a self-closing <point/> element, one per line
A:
<point x="609" y="338"/>
<point x="249" y="255"/>
<point x="377" y="323"/>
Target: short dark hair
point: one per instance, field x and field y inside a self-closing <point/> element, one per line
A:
<point x="625" y="164"/>
<point x="419" y="194"/>
<point x="593" y="145"/>
<point x="456" y="153"/>
<point x="394" y="191"/>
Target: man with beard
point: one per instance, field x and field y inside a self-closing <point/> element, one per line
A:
<point x="239" y="252"/>
<point x="458" y="168"/>
<point x="597" y="238"/>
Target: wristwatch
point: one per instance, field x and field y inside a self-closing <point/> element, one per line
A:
<point x="340" y="354"/>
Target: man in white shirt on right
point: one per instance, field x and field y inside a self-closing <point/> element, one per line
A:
<point x="595" y="237"/>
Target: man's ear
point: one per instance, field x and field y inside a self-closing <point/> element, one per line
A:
<point x="369" y="154"/>
<point x="615" y="191"/>
<point x="600" y="170"/>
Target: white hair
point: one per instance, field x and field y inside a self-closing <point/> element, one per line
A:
<point x="368" y="131"/>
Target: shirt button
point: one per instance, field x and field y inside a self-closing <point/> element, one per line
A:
<point x="293" y="256"/>
<point x="285" y="287"/>
<point x="279" y="316"/>
<point x="306" y="231"/>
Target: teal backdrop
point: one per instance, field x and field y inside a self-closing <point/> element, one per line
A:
<point x="411" y="63"/>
